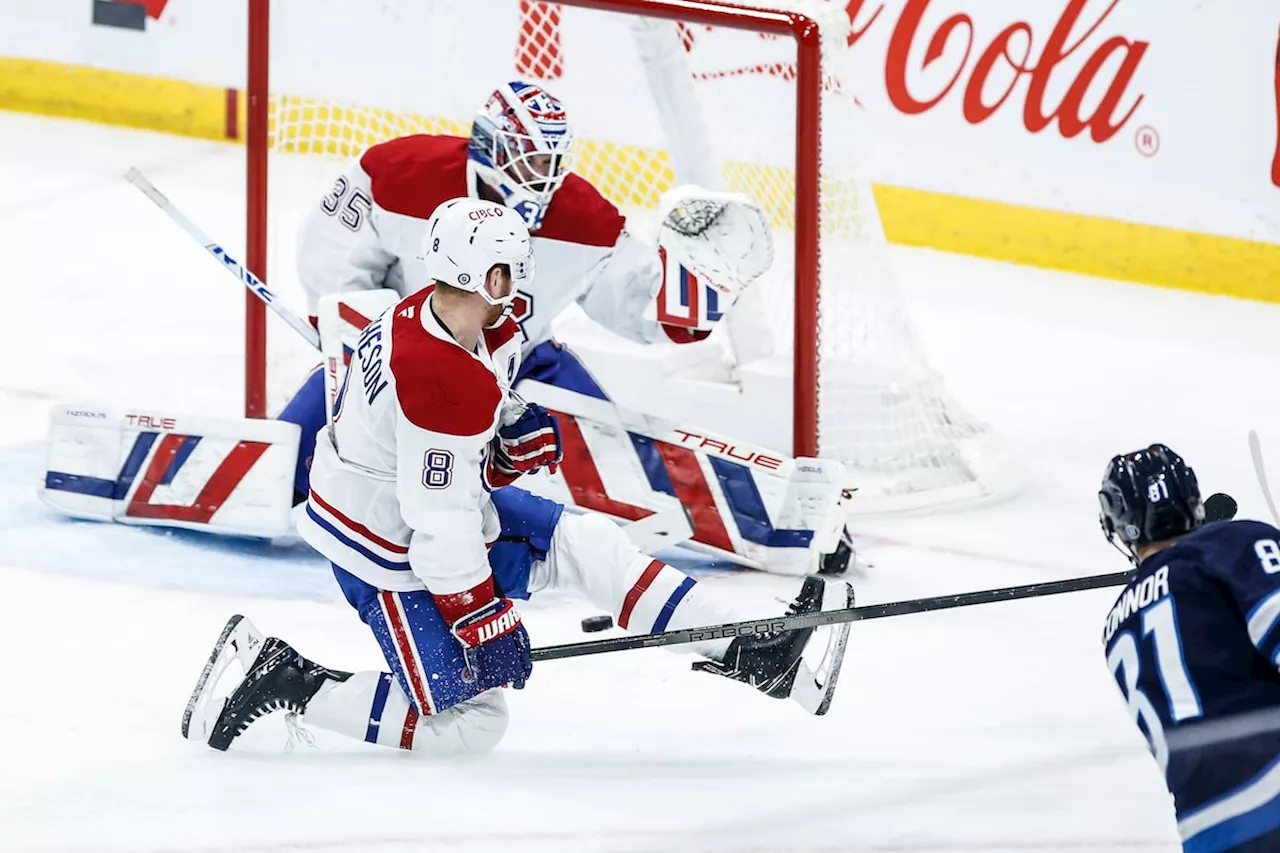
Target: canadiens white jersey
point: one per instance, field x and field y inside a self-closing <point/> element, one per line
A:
<point x="397" y="490"/>
<point x="367" y="233"/>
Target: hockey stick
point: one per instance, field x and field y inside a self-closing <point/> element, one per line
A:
<point x="1255" y="450"/>
<point x="775" y="624"/>
<point x="1217" y="507"/>
<point x="237" y="269"/>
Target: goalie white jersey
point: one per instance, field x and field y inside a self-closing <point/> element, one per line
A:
<point x="368" y="231"/>
<point x="397" y="491"/>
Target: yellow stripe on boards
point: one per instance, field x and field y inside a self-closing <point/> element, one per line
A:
<point x="113" y="97"/>
<point x="1091" y="245"/>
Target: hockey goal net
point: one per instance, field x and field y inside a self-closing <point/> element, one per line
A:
<point x="819" y="358"/>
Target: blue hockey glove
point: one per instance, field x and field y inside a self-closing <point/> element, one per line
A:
<point x="530" y="442"/>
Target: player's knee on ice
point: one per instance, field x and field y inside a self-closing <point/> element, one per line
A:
<point x="471" y="727"/>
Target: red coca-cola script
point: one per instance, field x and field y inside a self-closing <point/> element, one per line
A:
<point x="1017" y="48"/>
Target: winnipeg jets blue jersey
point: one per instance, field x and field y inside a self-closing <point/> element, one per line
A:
<point x="1194" y="643"/>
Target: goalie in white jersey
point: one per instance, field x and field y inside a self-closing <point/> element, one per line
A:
<point x="367" y="232"/>
<point x="411" y="502"/>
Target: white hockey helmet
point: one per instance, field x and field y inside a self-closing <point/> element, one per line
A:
<point x="520" y="147"/>
<point x="468" y="237"/>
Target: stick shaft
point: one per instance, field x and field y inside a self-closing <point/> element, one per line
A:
<point x="830" y="617"/>
<point x="237" y="269"/>
<point x="1260" y="470"/>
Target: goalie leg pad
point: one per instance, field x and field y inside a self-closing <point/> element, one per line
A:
<point x="160" y="469"/>
<point x="748" y="504"/>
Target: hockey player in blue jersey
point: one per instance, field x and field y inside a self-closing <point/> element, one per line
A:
<point x="1193" y="642"/>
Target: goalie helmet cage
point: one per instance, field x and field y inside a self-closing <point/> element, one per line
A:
<point x="660" y="92"/>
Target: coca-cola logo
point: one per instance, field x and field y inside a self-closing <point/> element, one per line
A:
<point x="1015" y="49"/>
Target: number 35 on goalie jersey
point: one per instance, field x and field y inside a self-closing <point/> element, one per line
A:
<point x="1195" y="638"/>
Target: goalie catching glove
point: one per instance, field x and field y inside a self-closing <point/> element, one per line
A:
<point x="712" y="245"/>
<point x="528" y="440"/>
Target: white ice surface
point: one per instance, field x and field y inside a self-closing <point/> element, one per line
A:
<point x="994" y="728"/>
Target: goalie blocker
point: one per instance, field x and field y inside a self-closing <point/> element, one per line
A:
<point x="149" y="467"/>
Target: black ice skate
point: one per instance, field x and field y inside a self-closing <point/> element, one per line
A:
<point x="774" y="664"/>
<point x="275" y="678"/>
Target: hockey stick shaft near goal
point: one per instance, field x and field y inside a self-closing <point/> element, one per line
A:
<point x="777" y="624"/>
<point x="230" y="264"/>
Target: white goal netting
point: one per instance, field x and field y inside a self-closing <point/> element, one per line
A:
<point x="653" y="103"/>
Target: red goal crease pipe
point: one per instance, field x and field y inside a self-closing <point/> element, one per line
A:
<point x="255" y="312"/>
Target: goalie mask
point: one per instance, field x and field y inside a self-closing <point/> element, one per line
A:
<point x="520" y="147"/>
<point x="468" y="237"/>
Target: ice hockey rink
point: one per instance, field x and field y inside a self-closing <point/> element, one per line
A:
<point x="993" y="728"/>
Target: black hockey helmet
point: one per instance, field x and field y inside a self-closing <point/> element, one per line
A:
<point x="1148" y="496"/>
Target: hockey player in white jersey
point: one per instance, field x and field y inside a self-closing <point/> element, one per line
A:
<point x="366" y="232"/>
<point x="411" y="503"/>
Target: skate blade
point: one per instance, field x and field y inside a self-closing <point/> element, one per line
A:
<point x="239" y="641"/>
<point x="814" y="689"/>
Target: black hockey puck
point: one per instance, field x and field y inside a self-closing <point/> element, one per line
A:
<point x="592" y="624"/>
<point x="1220" y="507"/>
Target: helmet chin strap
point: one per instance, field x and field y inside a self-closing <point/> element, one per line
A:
<point x="1127" y="550"/>
<point x="1114" y="539"/>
